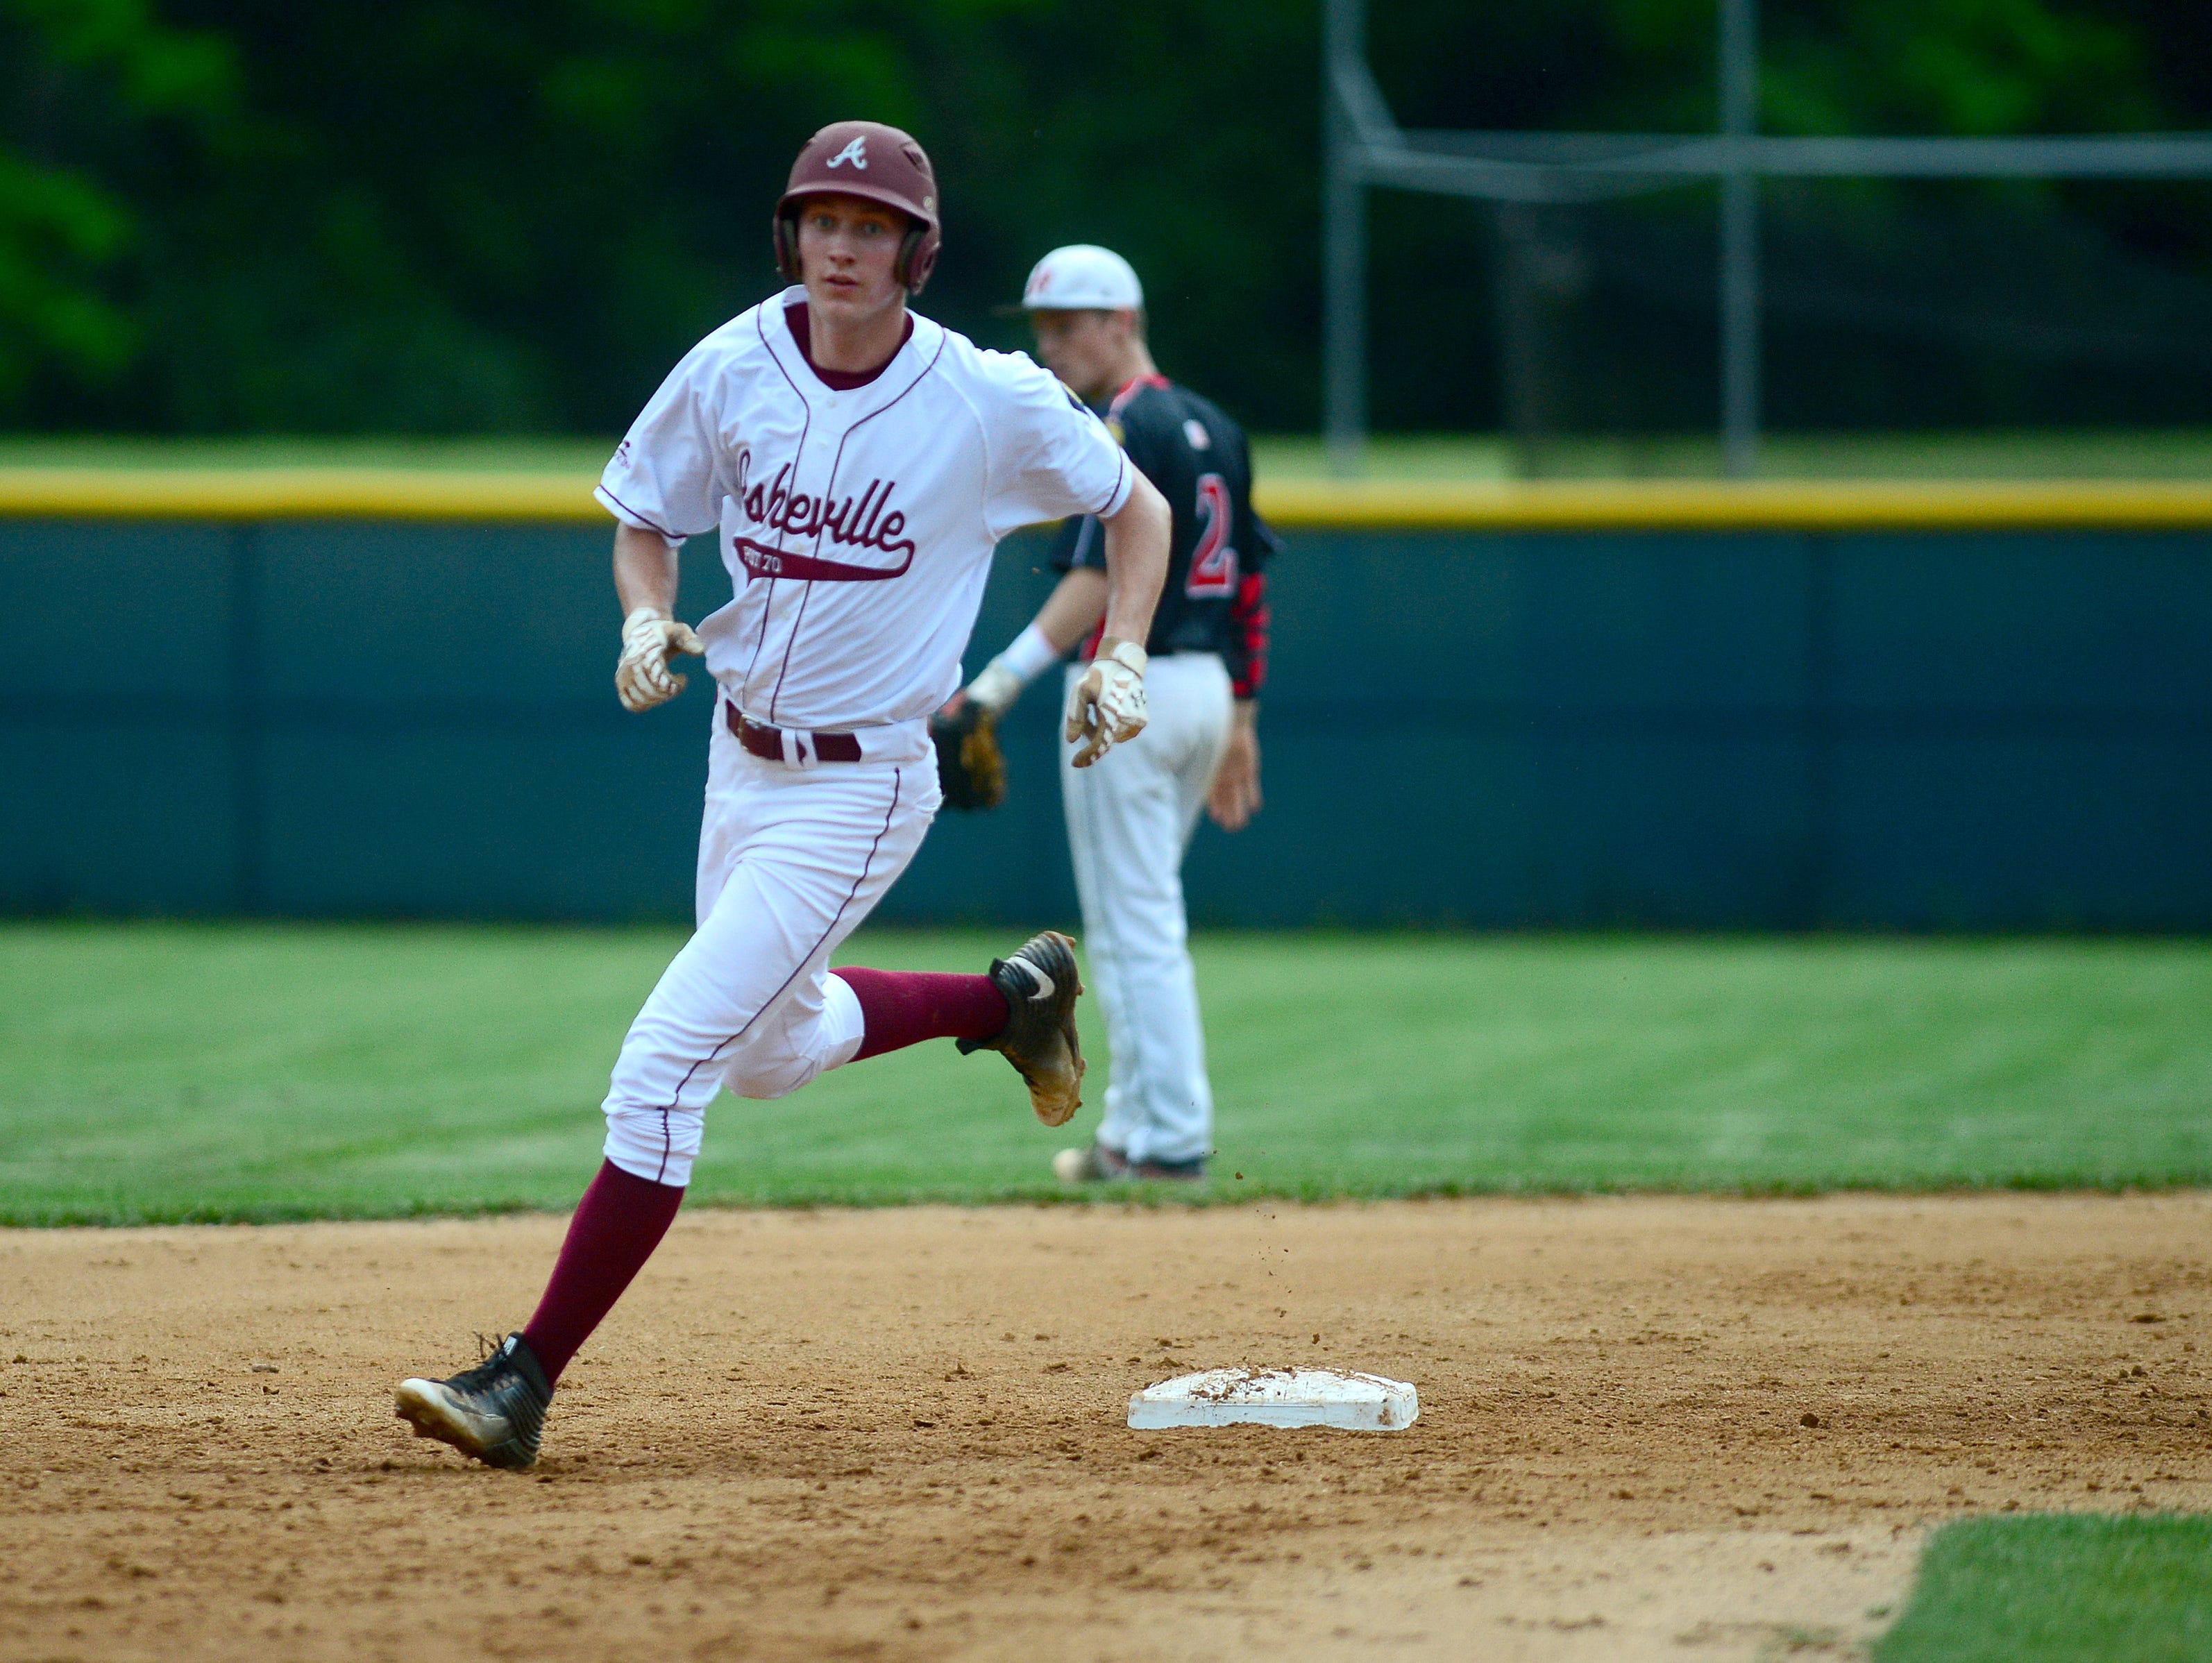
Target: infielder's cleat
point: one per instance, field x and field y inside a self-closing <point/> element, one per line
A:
<point x="495" y="1411"/>
<point x="1041" y="984"/>
<point x="1096" y="1164"/>
<point x="1192" y="1171"/>
<point x="1100" y="1165"/>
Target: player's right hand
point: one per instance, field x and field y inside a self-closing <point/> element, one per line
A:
<point x="1234" y="797"/>
<point x="649" y="639"/>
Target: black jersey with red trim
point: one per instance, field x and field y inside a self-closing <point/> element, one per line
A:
<point x="1215" y="598"/>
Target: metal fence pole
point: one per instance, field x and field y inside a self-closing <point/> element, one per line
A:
<point x="1739" y="250"/>
<point x="1344" y="248"/>
<point x="1364" y="146"/>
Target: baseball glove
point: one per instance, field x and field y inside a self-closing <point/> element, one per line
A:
<point x="970" y="767"/>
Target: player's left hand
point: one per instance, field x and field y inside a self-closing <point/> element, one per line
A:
<point x="1234" y="797"/>
<point x="649" y="639"/>
<point x="971" y="769"/>
<point x="994" y="689"/>
<point x="1107" y="707"/>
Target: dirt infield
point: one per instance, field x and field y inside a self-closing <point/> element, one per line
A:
<point x="1651" y="1428"/>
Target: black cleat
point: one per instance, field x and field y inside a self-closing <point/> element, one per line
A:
<point x="495" y="1411"/>
<point x="1041" y="984"/>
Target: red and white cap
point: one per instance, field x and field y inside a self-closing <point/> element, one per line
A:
<point x="1082" y="277"/>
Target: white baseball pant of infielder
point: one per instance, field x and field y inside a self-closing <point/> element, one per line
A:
<point x="858" y="528"/>
<point x="1130" y="816"/>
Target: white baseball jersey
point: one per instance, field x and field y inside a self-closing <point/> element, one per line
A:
<point x="857" y="525"/>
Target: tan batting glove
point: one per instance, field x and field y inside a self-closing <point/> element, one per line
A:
<point x="649" y="639"/>
<point x="1107" y="708"/>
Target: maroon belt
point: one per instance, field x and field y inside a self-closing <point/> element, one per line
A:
<point x="767" y="742"/>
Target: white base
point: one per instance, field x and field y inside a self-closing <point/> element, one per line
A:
<point x="1277" y="1397"/>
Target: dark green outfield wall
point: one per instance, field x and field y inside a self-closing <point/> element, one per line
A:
<point x="1992" y="731"/>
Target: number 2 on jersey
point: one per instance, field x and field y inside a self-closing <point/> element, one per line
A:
<point x="1214" y="560"/>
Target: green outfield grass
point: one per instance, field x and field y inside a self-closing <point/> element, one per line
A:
<point x="162" y="1071"/>
<point x="2080" y="1588"/>
<point x="2148" y="453"/>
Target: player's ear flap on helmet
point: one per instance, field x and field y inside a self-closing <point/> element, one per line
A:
<point x="917" y="257"/>
<point x="783" y="233"/>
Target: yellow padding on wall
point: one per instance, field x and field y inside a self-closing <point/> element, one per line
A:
<point x="398" y="494"/>
<point x="251" y="493"/>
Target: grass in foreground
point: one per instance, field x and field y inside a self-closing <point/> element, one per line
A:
<point x="158" y="1072"/>
<point x="2061" y="1589"/>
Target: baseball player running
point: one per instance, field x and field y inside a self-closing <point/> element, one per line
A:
<point x="859" y="463"/>
<point x="1130" y="818"/>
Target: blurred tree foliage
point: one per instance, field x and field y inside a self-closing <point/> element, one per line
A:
<point x="99" y="94"/>
<point x="443" y="215"/>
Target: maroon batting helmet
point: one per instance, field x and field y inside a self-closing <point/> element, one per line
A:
<point x="864" y="159"/>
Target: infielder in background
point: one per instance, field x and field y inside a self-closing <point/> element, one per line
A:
<point x="1130" y="818"/>
<point x="860" y="463"/>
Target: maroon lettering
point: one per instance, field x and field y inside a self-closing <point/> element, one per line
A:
<point x="762" y="562"/>
<point x="850" y="531"/>
<point x="853" y="523"/>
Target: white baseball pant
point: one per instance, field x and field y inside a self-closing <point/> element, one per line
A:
<point x="1130" y="816"/>
<point x="791" y="859"/>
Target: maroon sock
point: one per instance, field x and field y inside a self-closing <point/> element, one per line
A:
<point x="618" y="1223"/>
<point x="905" y="1007"/>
